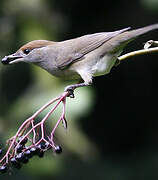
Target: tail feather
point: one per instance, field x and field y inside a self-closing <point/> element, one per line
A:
<point x="137" y="32"/>
<point x="125" y="37"/>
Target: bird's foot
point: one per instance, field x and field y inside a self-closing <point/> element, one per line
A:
<point x="70" y="90"/>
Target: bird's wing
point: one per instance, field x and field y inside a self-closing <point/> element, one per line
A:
<point x="75" y="49"/>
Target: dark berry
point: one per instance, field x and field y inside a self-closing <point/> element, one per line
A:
<point x="41" y="153"/>
<point x="1" y="152"/>
<point x="24" y="141"/>
<point x="58" y="149"/>
<point x="41" y="146"/>
<point x="3" y="169"/>
<point x="20" y="157"/>
<point x="28" y="153"/>
<point x="35" y="150"/>
<point x="47" y="144"/>
<point x="15" y="163"/>
<point x="19" y="148"/>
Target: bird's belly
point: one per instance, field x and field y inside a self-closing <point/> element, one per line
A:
<point x="104" y="65"/>
<point x="66" y="74"/>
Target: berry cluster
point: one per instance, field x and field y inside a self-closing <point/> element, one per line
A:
<point x="33" y="138"/>
<point x="23" y="153"/>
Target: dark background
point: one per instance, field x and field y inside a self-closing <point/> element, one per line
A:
<point x="116" y="136"/>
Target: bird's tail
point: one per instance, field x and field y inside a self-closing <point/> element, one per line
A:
<point x="130" y="35"/>
<point x="127" y="36"/>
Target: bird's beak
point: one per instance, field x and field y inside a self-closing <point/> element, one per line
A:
<point x="13" y="58"/>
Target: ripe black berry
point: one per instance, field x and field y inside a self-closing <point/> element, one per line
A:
<point x="19" y="148"/>
<point x="28" y="153"/>
<point x="41" y="146"/>
<point x="20" y="157"/>
<point x="35" y="150"/>
<point x="3" y="169"/>
<point x="24" y="141"/>
<point x="15" y="163"/>
<point x="58" y="149"/>
<point x="41" y="153"/>
<point x="47" y="144"/>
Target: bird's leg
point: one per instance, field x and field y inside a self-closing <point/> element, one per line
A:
<point x="70" y="89"/>
<point x="86" y="80"/>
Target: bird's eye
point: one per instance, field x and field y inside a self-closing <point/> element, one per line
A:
<point x="27" y="51"/>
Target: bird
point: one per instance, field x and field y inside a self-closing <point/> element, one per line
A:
<point x="80" y="58"/>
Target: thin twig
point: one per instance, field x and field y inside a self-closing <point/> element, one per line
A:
<point x="138" y="52"/>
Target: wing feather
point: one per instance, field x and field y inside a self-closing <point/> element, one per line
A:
<point x="75" y="49"/>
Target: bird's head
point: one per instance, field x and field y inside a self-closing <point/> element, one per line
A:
<point x="30" y="53"/>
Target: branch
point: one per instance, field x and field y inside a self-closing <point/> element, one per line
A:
<point x="146" y="50"/>
<point x="31" y="137"/>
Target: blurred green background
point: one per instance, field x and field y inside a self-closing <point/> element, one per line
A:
<point x="112" y="125"/>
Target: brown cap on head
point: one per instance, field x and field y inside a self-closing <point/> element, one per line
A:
<point x="35" y="44"/>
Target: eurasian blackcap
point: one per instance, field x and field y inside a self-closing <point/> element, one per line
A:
<point x="79" y="58"/>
